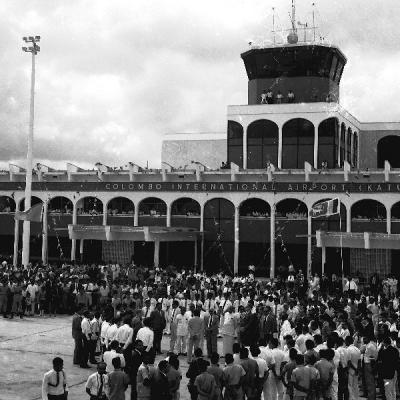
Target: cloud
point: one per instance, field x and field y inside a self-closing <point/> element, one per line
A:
<point x="113" y="77"/>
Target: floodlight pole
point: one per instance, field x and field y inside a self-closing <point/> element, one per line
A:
<point x="33" y="49"/>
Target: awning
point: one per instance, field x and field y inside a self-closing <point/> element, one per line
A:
<point x="133" y="233"/>
<point x="361" y="240"/>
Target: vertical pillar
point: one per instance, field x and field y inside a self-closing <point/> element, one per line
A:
<point x="236" y="250"/>
<point x="169" y="210"/>
<point x="244" y="146"/>
<point x="339" y="161"/>
<point x="316" y="147"/>
<point x="74" y="222"/>
<point x="272" y="242"/>
<point x="16" y="239"/>
<point x="323" y="259"/>
<point x="309" y="245"/>
<point x="81" y="242"/>
<point x="156" y="253"/>
<point x="45" y="233"/>
<point x="280" y="147"/>
<point x="388" y="220"/>
<point x="348" y="219"/>
<point x="136" y="215"/>
<point x="352" y="150"/>
<point x="104" y="213"/>
<point x="202" y="237"/>
<point x="195" y="255"/>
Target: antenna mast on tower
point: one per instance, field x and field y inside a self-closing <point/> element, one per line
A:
<point x="293" y="37"/>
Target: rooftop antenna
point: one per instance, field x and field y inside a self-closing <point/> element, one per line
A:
<point x="293" y="38"/>
<point x="313" y="20"/>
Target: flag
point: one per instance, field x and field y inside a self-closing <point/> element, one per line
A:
<point x="325" y="208"/>
<point x="34" y="214"/>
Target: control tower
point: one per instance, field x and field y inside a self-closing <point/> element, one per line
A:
<point x="311" y="70"/>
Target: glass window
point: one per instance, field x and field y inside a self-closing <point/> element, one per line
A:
<point x="235" y="143"/>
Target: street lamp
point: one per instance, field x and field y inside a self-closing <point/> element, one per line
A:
<point x="34" y="49"/>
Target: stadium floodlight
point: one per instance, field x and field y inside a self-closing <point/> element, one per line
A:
<point x="34" y="50"/>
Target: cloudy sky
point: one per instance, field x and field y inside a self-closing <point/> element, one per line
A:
<point x="114" y="76"/>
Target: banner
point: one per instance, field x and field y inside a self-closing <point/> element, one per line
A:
<point x="325" y="208"/>
<point x="34" y="214"/>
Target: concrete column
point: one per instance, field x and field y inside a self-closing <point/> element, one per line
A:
<point x="16" y="242"/>
<point x="104" y="213"/>
<point x="388" y="220"/>
<point x="352" y="150"/>
<point x="74" y="222"/>
<point x="323" y="259"/>
<point x="309" y="245"/>
<point x="348" y="219"/>
<point x="81" y="242"/>
<point x="136" y="215"/>
<point x="237" y="239"/>
<point x="280" y="147"/>
<point x="195" y="255"/>
<point x="45" y="233"/>
<point x="169" y="211"/>
<point x="202" y="237"/>
<point x="156" y="253"/>
<point x="272" y="242"/>
<point x="316" y="147"/>
<point x="244" y="146"/>
<point x="339" y="145"/>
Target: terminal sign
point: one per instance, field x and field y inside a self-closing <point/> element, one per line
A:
<point x="204" y="187"/>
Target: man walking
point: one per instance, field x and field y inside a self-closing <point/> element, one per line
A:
<point x="174" y="312"/>
<point x="388" y="359"/>
<point x="158" y="323"/>
<point x="77" y="336"/>
<point x="117" y="381"/>
<point x="211" y="323"/>
<point x="54" y="386"/>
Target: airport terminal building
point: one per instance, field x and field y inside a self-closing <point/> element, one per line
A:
<point x="239" y="198"/>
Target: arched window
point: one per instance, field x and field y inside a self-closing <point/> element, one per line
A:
<point x="262" y="144"/>
<point x="90" y="206"/>
<point x="120" y="206"/>
<point x="328" y="142"/>
<point x="235" y="143"/>
<point x="348" y="145"/>
<point x="60" y="205"/>
<point x="355" y="150"/>
<point x="342" y="143"/>
<point x="297" y="143"/>
<point x="388" y="149"/>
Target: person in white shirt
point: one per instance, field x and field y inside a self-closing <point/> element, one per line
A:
<point x="86" y="336"/>
<point x="354" y="359"/>
<point x="103" y="334"/>
<point x="111" y="332"/>
<point x="181" y="331"/>
<point x="111" y="354"/>
<point x="276" y="385"/>
<point x="124" y="334"/>
<point x="147" y="309"/>
<point x="262" y="368"/>
<point x="146" y="335"/>
<point x="33" y="290"/>
<point x="97" y="383"/>
<point x="54" y="385"/>
<point x="95" y="329"/>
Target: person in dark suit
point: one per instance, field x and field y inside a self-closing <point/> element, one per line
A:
<point x="158" y="323"/>
<point x="249" y="327"/>
<point x="270" y="326"/>
<point x="159" y="383"/>
<point x="211" y="324"/>
<point x="137" y="359"/>
<point x="77" y="336"/>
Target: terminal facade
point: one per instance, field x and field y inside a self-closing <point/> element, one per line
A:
<point x="235" y="199"/>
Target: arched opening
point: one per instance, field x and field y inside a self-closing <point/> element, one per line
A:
<point x="235" y="143"/>
<point x="332" y="223"/>
<point x="60" y="206"/>
<point x="185" y="212"/>
<point x="368" y="216"/>
<point x="297" y="143"/>
<point x="388" y="149"/>
<point x="120" y="211"/>
<point x="7" y="209"/>
<point x="348" y="145"/>
<point x="262" y="144"/>
<point x="395" y="228"/>
<point x="328" y="143"/>
<point x="152" y="212"/>
<point x="342" y="143"/>
<point x="355" y="150"/>
<point x="89" y="206"/>
<point x="291" y="235"/>
<point x="219" y="216"/>
<point x="254" y="234"/>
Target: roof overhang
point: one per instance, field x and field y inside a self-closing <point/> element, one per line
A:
<point x="362" y="240"/>
<point x="133" y="233"/>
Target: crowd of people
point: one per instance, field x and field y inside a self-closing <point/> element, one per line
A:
<point x="287" y="338"/>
